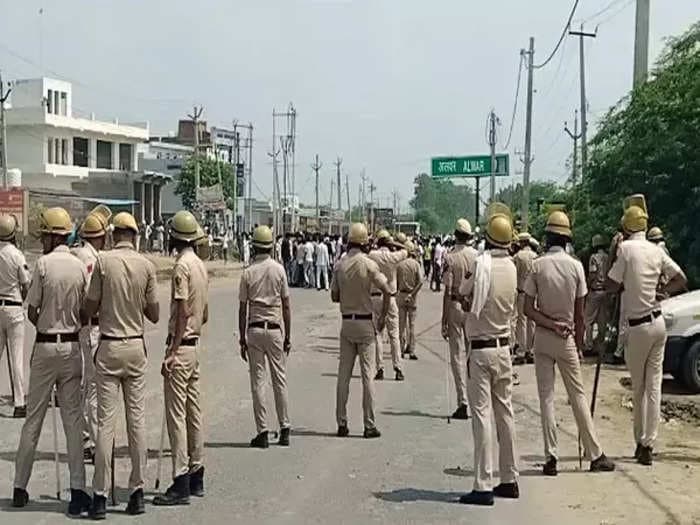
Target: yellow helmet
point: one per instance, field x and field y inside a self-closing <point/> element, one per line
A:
<point x="125" y="221"/>
<point x="383" y="235"/>
<point x="598" y="241"/>
<point x="184" y="227"/>
<point x="498" y="208"/>
<point x="262" y="237"/>
<point x="558" y="222"/>
<point x="401" y="238"/>
<point x="55" y="221"/>
<point x="655" y="234"/>
<point x="499" y="230"/>
<point x="634" y="219"/>
<point x="410" y="247"/>
<point x="358" y="234"/>
<point x="463" y="226"/>
<point x="8" y="227"/>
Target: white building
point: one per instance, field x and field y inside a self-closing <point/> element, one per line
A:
<point x="168" y="158"/>
<point x="57" y="150"/>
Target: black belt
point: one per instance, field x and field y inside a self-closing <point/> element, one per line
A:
<point x="190" y="341"/>
<point x="644" y="320"/>
<point x="455" y="298"/>
<point x="406" y="291"/>
<point x="597" y="289"/>
<point x="521" y="291"/>
<point x="54" y="338"/>
<point x="264" y="325"/>
<point x="358" y="317"/>
<point x="94" y="321"/>
<point x="376" y="294"/>
<point x="6" y="302"/>
<point x="114" y="338"/>
<point x="489" y="343"/>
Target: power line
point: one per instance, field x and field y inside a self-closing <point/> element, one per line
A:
<point x="613" y="15"/>
<point x="602" y="11"/>
<point x="561" y="38"/>
<point x="515" y="102"/>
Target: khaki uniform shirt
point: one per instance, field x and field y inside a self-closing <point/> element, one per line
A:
<point x="523" y="264"/>
<point x="264" y="285"/>
<point x="58" y="288"/>
<point x="355" y="276"/>
<point x="190" y="283"/>
<point x="123" y="283"/>
<point x="638" y="267"/>
<point x="88" y="255"/>
<point x="497" y="313"/>
<point x="387" y="261"/>
<point x="597" y="269"/>
<point x="458" y="262"/>
<point x="407" y="274"/>
<point x="556" y="281"/>
<point x="14" y="272"/>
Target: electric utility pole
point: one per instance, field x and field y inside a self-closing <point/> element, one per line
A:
<point x="194" y="117"/>
<point x="347" y="196"/>
<point x="338" y="163"/>
<point x="525" y="206"/>
<point x="372" y="187"/>
<point x="275" y="192"/>
<point x="584" y="123"/>
<point x="3" y="131"/>
<point x="493" y="120"/>
<point x="316" y="166"/>
<point x="574" y="136"/>
<point x="641" y="42"/>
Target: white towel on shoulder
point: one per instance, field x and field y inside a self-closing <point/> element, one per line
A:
<point x="482" y="282"/>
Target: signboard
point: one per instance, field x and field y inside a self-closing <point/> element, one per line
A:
<point x="12" y="202"/>
<point x="471" y="166"/>
<point x="383" y="218"/>
<point x="211" y="198"/>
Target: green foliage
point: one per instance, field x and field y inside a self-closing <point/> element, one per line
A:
<point x="209" y="175"/>
<point x="439" y="203"/>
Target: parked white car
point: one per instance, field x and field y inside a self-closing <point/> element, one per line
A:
<point x="682" y="356"/>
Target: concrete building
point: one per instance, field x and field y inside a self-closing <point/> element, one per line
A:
<point x="167" y="158"/>
<point x="57" y="150"/>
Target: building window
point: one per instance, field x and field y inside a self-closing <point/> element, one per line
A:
<point x="64" y="103"/>
<point x="49" y="101"/>
<point x="64" y="155"/>
<point x="125" y="157"/>
<point x="80" y="152"/>
<point x="49" y="150"/>
<point x="56" y="98"/>
<point x="104" y="155"/>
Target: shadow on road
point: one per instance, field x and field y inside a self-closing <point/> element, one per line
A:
<point x="334" y="374"/>
<point x="468" y="473"/>
<point x="315" y="433"/>
<point x="40" y="455"/>
<point x="43" y="504"/>
<point x="209" y="444"/>
<point x="413" y="413"/>
<point x="408" y="495"/>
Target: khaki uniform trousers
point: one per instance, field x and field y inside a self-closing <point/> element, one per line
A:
<point x="52" y="364"/>
<point x="524" y="328"/>
<point x="89" y="341"/>
<point x="644" y="354"/>
<point x="12" y="337"/>
<point x="596" y="313"/>
<point x="550" y="349"/>
<point x="264" y="343"/>
<point x="183" y="412"/>
<point x="120" y="363"/>
<point x="407" y="323"/>
<point x="392" y="329"/>
<point x="357" y="339"/>
<point x="489" y="385"/>
<point x="459" y="347"/>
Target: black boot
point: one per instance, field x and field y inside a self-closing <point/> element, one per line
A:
<point x="197" y="483"/>
<point x="177" y="494"/>
<point x="372" y="433"/>
<point x="462" y="412"/>
<point x="20" y="412"/>
<point x="284" y="437"/>
<point x="645" y="456"/>
<point x="477" y="497"/>
<point x="412" y="356"/>
<point x="98" y="511"/>
<point x="380" y="375"/>
<point x="550" y="468"/>
<point x="136" y="505"/>
<point x="399" y="374"/>
<point x="638" y="451"/>
<point x="507" y="490"/>
<point x="529" y="358"/>
<point x="89" y="455"/>
<point x="343" y="431"/>
<point x="260" y="441"/>
<point x="79" y="503"/>
<point x="20" y="498"/>
<point x="602" y="464"/>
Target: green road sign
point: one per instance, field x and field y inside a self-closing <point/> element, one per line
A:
<point x="472" y="166"/>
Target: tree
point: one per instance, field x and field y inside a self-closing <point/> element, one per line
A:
<point x="209" y="170"/>
<point x="439" y="203"/>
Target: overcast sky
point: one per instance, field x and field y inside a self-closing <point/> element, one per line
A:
<point x="385" y="84"/>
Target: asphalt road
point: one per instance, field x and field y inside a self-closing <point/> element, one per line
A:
<point x="413" y="474"/>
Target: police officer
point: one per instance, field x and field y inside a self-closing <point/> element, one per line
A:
<point x="524" y="328"/>
<point x="55" y="296"/>
<point x="558" y="285"/>
<point x="409" y="283"/>
<point x="14" y="282"/>
<point x="454" y="320"/>
<point x="92" y="232"/>
<point x="387" y="261"/>
<point x="597" y="299"/>
<point x="180" y="369"/>
<point x="123" y="292"/>
<point x="265" y="323"/>
<point x="639" y="267"/>
<point x="355" y="276"/>
<point x="656" y="236"/>
<point x="489" y="295"/>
